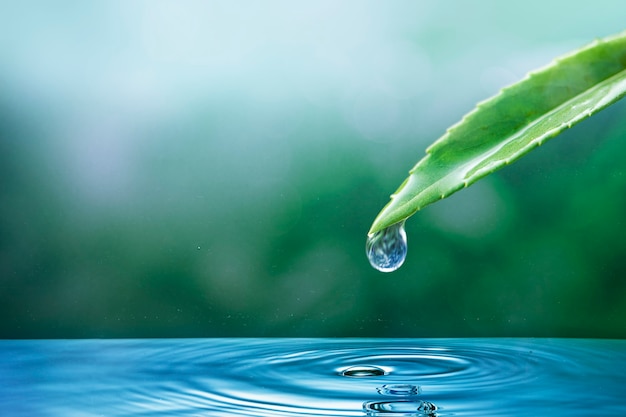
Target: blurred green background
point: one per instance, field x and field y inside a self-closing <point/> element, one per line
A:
<point x="211" y="169"/>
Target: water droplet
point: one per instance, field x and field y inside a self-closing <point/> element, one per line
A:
<point x="386" y="249"/>
<point x="363" y="371"/>
<point x="427" y="407"/>
<point x="399" y="389"/>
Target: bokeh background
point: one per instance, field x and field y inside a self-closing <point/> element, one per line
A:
<point x="192" y="168"/>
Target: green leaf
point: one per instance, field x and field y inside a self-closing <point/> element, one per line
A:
<point x="510" y="124"/>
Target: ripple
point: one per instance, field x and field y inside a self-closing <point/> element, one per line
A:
<point x="321" y="377"/>
<point x="349" y="374"/>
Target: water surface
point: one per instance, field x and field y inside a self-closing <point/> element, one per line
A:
<point x="313" y="377"/>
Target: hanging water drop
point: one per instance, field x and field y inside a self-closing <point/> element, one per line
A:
<point x="386" y="249"/>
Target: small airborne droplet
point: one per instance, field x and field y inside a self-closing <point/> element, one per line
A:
<point x="386" y="249"/>
<point x="399" y="390"/>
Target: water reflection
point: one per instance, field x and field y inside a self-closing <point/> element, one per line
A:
<point x="313" y="377"/>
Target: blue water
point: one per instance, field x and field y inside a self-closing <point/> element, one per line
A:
<point x="313" y="377"/>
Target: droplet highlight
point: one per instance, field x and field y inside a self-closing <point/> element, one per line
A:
<point x="386" y="249"/>
<point x="363" y="371"/>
